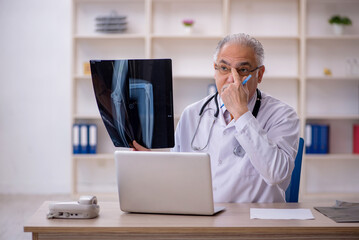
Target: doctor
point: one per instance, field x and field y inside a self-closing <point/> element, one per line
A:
<point x="252" y="138"/>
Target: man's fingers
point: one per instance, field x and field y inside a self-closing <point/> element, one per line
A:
<point x="138" y="147"/>
<point x="236" y="77"/>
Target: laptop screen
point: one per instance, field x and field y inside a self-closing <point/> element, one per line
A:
<point x="135" y="100"/>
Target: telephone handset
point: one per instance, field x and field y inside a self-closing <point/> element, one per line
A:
<point x="85" y="207"/>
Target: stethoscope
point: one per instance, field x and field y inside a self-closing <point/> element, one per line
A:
<point x="238" y="151"/>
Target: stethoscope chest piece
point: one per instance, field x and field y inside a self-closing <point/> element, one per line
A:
<point x="239" y="151"/>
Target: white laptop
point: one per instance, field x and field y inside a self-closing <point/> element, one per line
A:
<point x="165" y="182"/>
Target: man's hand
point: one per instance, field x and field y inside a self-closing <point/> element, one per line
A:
<point x="235" y="96"/>
<point x="138" y="147"/>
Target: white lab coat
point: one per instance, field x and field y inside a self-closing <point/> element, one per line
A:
<point x="270" y="142"/>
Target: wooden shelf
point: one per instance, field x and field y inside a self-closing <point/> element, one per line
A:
<point x="332" y="78"/>
<point x="87" y="117"/>
<point x="270" y="77"/>
<point x="264" y="37"/>
<point x="98" y="156"/>
<point x="331" y="117"/>
<point x="329" y="37"/>
<point x="339" y="157"/>
<point x="109" y="36"/>
<point x="183" y="36"/>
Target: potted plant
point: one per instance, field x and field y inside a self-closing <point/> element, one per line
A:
<point x="338" y="23"/>
<point x="188" y="23"/>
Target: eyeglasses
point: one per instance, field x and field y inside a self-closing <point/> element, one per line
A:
<point x="242" y="71"/>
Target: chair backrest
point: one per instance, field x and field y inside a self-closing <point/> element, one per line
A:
<point x="292" y="192"/>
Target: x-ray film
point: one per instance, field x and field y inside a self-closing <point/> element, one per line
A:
<point x="135" y="100"/>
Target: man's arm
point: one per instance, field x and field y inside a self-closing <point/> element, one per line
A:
<point x="271" y="151"/>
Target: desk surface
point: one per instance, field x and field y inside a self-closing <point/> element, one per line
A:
<point x="235" y="220"/>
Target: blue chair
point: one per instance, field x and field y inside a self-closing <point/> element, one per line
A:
<point x="291" y="194"/>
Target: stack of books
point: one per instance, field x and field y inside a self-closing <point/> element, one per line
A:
<point x="112" y="23"/>
<point x="316" y="139"/>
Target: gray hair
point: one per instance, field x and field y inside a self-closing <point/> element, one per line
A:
<point x="244" y="40"/>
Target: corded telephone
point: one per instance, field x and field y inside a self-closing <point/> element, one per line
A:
<point x="85" y="207"/>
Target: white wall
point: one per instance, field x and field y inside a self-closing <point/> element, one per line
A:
<point x="35" y="124"/>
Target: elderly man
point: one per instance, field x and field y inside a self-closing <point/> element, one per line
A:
<point x="252" y="138"/>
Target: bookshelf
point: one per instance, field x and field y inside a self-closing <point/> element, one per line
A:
<point x="331" y="100"/>
<point x="298" y="44"/>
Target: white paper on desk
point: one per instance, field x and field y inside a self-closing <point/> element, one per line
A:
<point x="273" y="213"/>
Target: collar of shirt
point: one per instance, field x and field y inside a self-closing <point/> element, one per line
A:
<point x="251" y="103"/>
